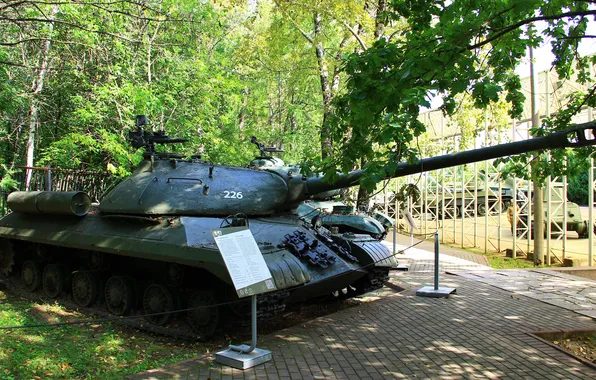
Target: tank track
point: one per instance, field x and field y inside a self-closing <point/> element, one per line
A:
<point x="376" y="279"/>
<point x="268" y="305"/>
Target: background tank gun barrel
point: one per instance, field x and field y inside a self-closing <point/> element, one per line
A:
<point x="580" y="135"/>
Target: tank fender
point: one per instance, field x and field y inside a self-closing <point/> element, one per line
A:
<point x="367" y="250"/>
<point x="286" y="270"/>
<point x="358" y="222"/>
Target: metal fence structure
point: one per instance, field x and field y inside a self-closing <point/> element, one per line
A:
<point x="450" y="201"/>
<point x="468" y="221"/>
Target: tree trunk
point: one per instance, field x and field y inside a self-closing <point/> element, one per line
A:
<point x="242" y="113"/>
<point x="36" y="88"/>
<point x="363" y="194"/>
<point x="326" y="144"/>
<point x="380" y="19"/>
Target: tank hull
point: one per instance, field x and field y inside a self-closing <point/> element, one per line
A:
<point x="144" y="249"/>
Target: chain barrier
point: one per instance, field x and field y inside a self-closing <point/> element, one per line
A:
<point x="130" y="317"/>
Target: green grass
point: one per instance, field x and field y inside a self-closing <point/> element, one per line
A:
<point x="500" y="262"/>
<point x="77" y="352"/>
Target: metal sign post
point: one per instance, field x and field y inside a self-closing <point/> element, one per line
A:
<point x="244" y="356"/>
<point x="436" y="291"/>
<point x="250" y="276"/>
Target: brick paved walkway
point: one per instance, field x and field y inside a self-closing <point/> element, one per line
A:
<point x="480" y="332"/>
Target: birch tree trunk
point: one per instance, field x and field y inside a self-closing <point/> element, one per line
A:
<point x="326" y="146"/>
<point x="36" y="88"/>
<point x="363" y="200"/>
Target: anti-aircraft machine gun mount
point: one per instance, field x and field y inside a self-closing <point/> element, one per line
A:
<point x="149" y="249"/>
<point x="266" y="159"/>
<point x="145" y="139"/>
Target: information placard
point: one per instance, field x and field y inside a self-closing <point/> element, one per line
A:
<point x="244" y="260"/>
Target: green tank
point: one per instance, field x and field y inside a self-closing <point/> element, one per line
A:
<point x="338" y="217"/>
<point x="562" y="218"/>
<point x="147" y="248"/>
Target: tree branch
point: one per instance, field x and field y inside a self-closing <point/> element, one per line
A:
<point x="141" y="4"/>
<point x="519" y="24"/>
<point x="36" y="39"/>
<point x="309" y="38"/>
<point x="362" y="44"/>
<point x="33" y="19"/>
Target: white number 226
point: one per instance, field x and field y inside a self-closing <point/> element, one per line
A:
<point x="233" y="194"/>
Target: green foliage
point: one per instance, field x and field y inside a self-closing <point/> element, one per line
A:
<point x="101" y="150"/>
<point x="8" y="183"/>
<point x="499" y="262"/>
<point x="448" y="52"/>
<point x="577" y="189"/>
<point x="578" y="185"/>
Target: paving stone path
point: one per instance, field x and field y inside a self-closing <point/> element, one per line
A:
<point x="423" y="261"/>
<point x="483" y="331"/>
<point x="567" y="291"/>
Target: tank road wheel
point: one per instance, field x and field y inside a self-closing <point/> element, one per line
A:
<point x="119" y="294"/>
<point x="6" y="257"/>
<point x="204" y="319"/>
<point x="53" y="280"/>
<point x="174" y="275"/>
<point x="481" y="209"/>
<point x="85" y="288"/>
<point x="158" y="299"/>
<point x="31" y="275"/>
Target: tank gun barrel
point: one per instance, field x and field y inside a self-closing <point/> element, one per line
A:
<point x="581" y="135"/>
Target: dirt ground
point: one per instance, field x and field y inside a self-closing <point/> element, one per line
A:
<point x="583" y="346"/>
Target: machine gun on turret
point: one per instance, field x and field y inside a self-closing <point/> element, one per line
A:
<point x="264" y="150"/>
<point x="265" y="159"/>
<point x="141" y="138"/>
